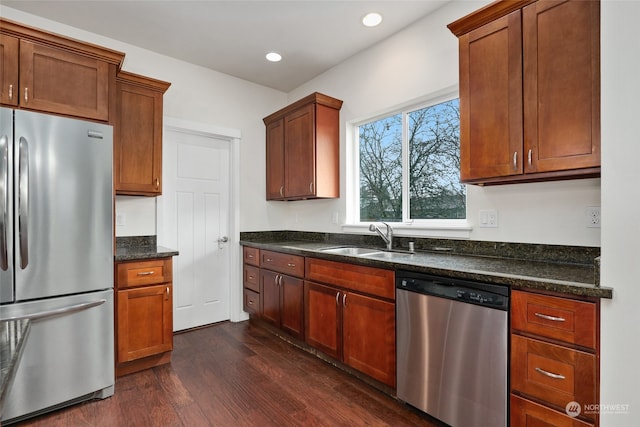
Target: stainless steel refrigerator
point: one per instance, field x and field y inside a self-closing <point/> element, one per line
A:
<point x="56" y="258"/>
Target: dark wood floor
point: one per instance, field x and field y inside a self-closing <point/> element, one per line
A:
<point x="236" y="374"/>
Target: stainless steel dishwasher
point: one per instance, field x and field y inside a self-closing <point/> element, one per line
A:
<point x="452" y="338"/>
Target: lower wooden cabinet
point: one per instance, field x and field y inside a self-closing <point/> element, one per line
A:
<point x="554" y="360"/>
<point x="281" y="299"/>
<point x="144" y="314"/>
<point x="345" y="323"/>
<point x="145" y="322"/>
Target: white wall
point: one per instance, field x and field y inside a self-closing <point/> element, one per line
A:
<point x="419" y="61"/>
<point x="620" y="341"/>
<point x="198" y="95"/>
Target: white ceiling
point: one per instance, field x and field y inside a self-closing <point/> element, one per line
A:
<point x="233" y="36"/>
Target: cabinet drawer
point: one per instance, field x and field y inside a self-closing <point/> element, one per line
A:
<point x="251" y="301"/>
<point x="282" y="263"/>
<point x="251" y="278"/>
<point x="558" y="318"/>
<point x="525" y="413"/>
<point x="251" y="255"/>
<point x="552" y="373"/>
<point x="139" y="273"/>
<point x="369" y="280"/>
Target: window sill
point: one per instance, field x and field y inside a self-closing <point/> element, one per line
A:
<point x="453" y="229"/>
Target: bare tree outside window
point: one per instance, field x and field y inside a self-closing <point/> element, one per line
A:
<point x="433" y="143"/>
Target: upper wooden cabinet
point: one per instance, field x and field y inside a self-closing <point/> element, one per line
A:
<point x="303" y="149"/>
<point x="138" y="135"/>
<point x="46" y="72"/>
<point x="529" y="91"/>
<point x="9" y="54"/>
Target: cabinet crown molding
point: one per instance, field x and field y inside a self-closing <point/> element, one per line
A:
<point x="485" y="15"/>
<point x="142" y="81"/>
<point x="15" y="29"/>
<point x="316" y="97"/>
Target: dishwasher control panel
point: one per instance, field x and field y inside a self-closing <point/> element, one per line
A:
<point x="485" y="294"/>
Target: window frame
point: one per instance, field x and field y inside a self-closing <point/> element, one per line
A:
<point x="447" y="228"/>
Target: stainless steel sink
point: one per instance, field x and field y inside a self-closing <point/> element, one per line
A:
<point x="388" y="255"/>
<point x="351" y="251"/>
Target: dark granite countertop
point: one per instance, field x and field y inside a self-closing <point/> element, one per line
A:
<point x="568" y="278"/>
<point x="13" y="335"/>
<point x="141" y="247"/>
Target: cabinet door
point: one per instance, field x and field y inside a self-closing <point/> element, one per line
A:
<point x="369" y="336"/>
<point x="63" y="82"/>
<point x="562" y="85"/>
<point x="292" y="306"/>
<point x="275" y="160"/>
<point x="138" y="141"/>
<point x="323" y="318"/>
<point x="299" y="153"/>
<point x="145" y="322"/>
<point x="9" y="70"/>
<point x="270" y="297"/>
<point x="491" y="100"/>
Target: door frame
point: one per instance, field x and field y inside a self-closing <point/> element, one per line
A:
<point x="236" y="313"/>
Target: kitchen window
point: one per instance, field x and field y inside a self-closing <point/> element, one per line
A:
<point x="408" y="166"/>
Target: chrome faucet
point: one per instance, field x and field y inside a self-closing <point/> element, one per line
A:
<point x="387" y="237"/>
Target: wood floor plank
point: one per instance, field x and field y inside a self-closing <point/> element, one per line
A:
<point x="237" y="374"/>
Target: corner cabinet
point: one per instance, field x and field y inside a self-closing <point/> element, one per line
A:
<point x="46" y="72"/>
<point x="529" y="91"/>
<point x="303" y="149"/>
<point x="144" y="314"/>
<point x="138" y="135"/>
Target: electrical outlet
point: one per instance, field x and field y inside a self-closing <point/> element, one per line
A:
<point x="489" y="218"/>
<point x="593" y="216"/>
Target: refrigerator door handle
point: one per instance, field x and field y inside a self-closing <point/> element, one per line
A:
<point x="23" y="202"/>
<point x="58" y="311"/>
<point x="4" y="202"/>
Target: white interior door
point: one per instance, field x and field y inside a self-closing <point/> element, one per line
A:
<point x="195" y="220"/>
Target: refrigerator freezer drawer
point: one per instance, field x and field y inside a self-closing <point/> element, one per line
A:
<point x="68" y="355"/>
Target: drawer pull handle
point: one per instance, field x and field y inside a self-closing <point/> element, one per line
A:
<point x="250" y="256"/>
<point x="269" y="260"/>
<point x="550" y="374"/>
<point x="146" y="273"/>
<point x="291" y="265"/>
<point x="552" y="318"/>
<point x="250" y="302"/>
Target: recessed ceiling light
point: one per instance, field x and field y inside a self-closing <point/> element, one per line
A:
<point x="273" y="56"/>
<point x="372" y="19"/>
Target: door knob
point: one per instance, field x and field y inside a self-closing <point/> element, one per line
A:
<point x="221" y="240"/>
